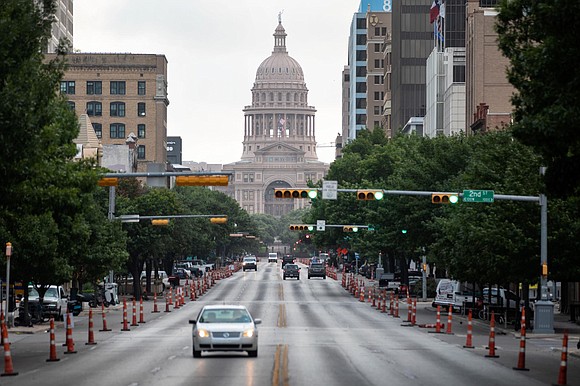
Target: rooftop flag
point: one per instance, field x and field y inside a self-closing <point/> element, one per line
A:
<point x="434" y="11"/>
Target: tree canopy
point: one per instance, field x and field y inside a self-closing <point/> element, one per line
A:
<point x="539" y="39"/>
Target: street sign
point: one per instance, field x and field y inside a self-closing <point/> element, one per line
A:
<point x="320" y="225"/>
<point x="478" y="196"/>
<point x="329" y="190"/>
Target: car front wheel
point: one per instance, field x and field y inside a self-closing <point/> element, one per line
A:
<point x="253" y="354"/>
<point x="196" y="353"/>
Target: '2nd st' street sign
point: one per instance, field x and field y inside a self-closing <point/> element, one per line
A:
<point x="478" y="196"/>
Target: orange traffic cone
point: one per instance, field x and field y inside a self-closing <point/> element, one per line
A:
<point x="70" y="344"/>
<point x="409" y="310"/>
<point x="414" y="316"/>
<point x="438" y="321"/>
<point x="170" y="296"/>
<point x="167" y="304"/>
<point x="91" y="337"/>
<point x="52" y="357"/>
<point x="141" y="317"/>
<point x="492" y="338"/>
<point x="155" y="310"/>
<point x="564" y="360"/>
<point x="8" y="369"/>
<point x="104" y="319"/>
<point x="449" y="318"/>
<point x="522" y="354"/>
<point x="125" y="322"/>
<point x="396" y="315"/>
<point x="134" y="313"/>
<point x="468" y="341"/>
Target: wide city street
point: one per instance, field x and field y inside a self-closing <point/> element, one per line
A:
<point x="313" y="332"/>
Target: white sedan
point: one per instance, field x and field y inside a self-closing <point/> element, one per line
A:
<point x="225" y="328"/>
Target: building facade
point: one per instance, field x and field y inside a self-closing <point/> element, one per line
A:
<point x="279" y="146"/>
<point x="123" y="95"/>
<point x="488" y="91"/>
<point x="412" y="43"/>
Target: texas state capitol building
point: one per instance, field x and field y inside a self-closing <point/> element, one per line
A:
<point x="279" y="137"/>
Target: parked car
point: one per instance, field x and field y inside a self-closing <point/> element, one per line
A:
<point x="225" y="328"/>
<point x="291" y="270"/>
<point x="249" y="262"/>
<point x="54" y="303"/>
<point x="505" y="299"/>
<point x="455" y="293"/>
<point x="317" y="270"/>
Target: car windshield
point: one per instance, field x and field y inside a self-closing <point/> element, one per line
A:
<point x="291" y="266"/>
<point x="316" y="265"/>
<point x="249" y="259"/>
<point x="50" y="292"/>
<point x="225" y="315"/>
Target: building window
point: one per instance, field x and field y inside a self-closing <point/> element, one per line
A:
<point x="377" y="110"/>
<point x="117" y="109"/>
<point x="117" y="87"/>
<point x="98" y="129"/>
<point x="71" y="105"/>
<point x="67" y="87"/>
<point x="248" y="177"/>
<point x="117" y="130"/>
<point x="94" y="109"/>
<point x="141" y="152"/>
<point x="141" y="131"/>
<point x="141" y="109"/>
<point x="141" y="90"/>
<point x="459" y="74"/>
<point x="378" y="47"/>
<point x="94" y="87"/>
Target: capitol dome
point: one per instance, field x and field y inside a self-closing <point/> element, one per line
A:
<point x="279" y="67"/>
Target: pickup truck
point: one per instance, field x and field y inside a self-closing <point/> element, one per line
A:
<point x="54" y="303"/>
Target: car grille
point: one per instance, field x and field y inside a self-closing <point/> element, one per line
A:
<point x="226" y="334"/>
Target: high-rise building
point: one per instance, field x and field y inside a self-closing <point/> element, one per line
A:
<point x="378" y="31"/>
<point x="279" y="146"/>
<point x="445" y="112"/>
<point x="356" y="80"/>
<point x="488" y="91"/>
<point x="125" y="96"/>
<point x="62" y="28"/>
<point x="412" y="43"/>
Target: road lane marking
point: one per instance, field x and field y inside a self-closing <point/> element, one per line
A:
<point x="280" y="370"/>
<point x="282" y="316"/>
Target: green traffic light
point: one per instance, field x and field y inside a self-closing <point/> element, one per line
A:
<point x="379" y="195"/>
<point x="312" y="193"/>
<point x="453" y="199"/>
<point x="403" y="231"/>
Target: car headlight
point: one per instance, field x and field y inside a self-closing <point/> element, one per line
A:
<point x="203" y="333"/>
<point x="249" y="333"/>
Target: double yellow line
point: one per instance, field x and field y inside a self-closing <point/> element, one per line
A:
<point x="280" y="373"/>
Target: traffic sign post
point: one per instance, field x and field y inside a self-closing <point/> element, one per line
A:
<point x="320" y="225"/>
<point x="478" y="196"/>
<point x="329" y="190"/>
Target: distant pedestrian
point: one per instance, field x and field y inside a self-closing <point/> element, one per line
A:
<point x="578" y="345"/>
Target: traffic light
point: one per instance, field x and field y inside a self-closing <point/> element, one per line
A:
<point x="349" y="228"/>
<point x="207" y="180"/>
<point x="108" y="181"/>
<point x="218" y="220"/>
<point x="369" y="195"/>
<point x="444" y="198"/>
<point x="301" y="227"/>
<point x="404" y="231"/>
<point x="160" y="221"/>
<point x="295" y="193"/>
<point x="424" y="267"/>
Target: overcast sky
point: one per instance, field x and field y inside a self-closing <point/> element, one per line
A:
<point x="213" y="49"/>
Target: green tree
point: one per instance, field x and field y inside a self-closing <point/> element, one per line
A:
<point x="539" y="39"/>
<point x="44" y="194"/>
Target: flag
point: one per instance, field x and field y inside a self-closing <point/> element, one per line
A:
<point x="434" y="11"/>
